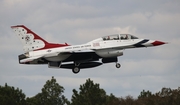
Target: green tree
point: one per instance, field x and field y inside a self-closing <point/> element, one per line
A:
<point x="168" y="96"/>
<point x="164" y="97"/>
<point x="51" y="95"/>
<point x="112" y="100"/>
<point x="145" y="94"/>
<point x="91" y="94"/>
<point x="176" y="96"/>
<point x="11" y="96"/>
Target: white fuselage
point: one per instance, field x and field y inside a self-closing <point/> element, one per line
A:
<point x="102" y="48"/>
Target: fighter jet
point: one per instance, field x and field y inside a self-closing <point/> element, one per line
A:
<point x="100" y="51"/>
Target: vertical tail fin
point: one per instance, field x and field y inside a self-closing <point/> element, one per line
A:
<point x="31" y="41"/>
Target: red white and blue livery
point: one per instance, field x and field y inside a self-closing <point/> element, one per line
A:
<point x="92" y="54"/>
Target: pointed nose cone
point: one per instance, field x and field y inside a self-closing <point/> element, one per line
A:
<point x="157" y="43"/>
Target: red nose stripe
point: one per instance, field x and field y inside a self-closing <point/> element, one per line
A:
<point x="157" y="43"/>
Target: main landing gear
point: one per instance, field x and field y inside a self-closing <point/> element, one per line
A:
<point x="118" y="65"/>
<point x="76" y="68"/>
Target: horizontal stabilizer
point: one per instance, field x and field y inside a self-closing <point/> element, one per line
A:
<point x="29" y="59"/>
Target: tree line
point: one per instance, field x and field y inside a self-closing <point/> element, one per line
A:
<point x="89" y="93"/>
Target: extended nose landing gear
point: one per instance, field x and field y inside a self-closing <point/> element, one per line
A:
<point x="118" y="65"/>
<point x="110" y="60"/>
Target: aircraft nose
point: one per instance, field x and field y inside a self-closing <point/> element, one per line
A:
<point x="157" y="43"/>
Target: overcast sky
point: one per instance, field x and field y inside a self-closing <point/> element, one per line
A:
<point x="81" y="21"/>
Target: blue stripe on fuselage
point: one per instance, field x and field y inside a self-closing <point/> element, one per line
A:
<point x="139" y="44"/>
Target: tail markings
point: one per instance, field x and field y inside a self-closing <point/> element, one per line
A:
<point x="31" y="41"/>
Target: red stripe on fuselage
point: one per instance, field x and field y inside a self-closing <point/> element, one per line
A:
<point x="51" y="45"/>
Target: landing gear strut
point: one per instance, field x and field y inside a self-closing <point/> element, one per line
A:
<point x="76" y="68"/>
<point x="118" y="65"/>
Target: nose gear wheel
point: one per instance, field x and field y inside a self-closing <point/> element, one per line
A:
<point x="118" y="65"/>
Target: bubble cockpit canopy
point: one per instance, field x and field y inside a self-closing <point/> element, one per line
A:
<point x="119" y="37"/>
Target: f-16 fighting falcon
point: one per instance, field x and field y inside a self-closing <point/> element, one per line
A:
<point x="92" y="54"/>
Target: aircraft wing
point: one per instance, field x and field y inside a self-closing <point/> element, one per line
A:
<point x="77" y="56"/>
